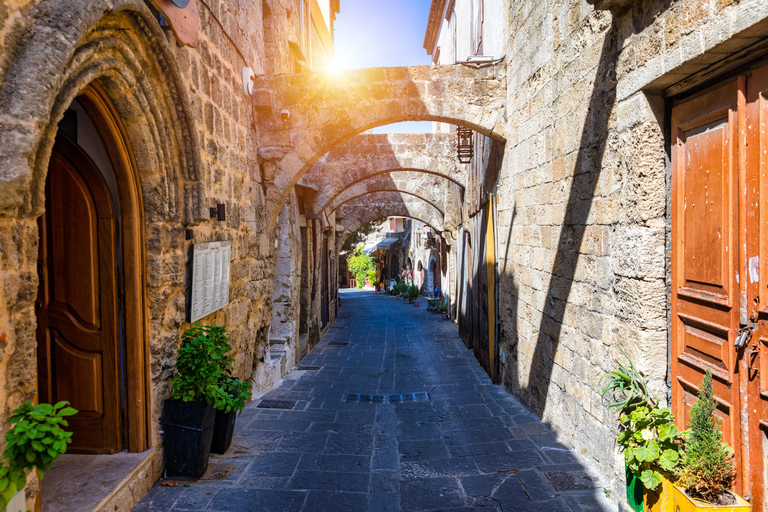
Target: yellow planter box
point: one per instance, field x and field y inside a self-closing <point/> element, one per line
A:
<point x="685" y="504"/>
<point x="671" y="498"/>
<point x="661" y="501"/>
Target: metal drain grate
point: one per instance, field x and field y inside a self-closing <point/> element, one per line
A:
<point x="276" y="404"/>
<point x="409" y="397"/>
<point x="398" y="398"/>
<point x="337" y="344"/>
<point x="308" y="368"/>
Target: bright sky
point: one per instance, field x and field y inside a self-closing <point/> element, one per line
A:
<point x="376" y="33"/>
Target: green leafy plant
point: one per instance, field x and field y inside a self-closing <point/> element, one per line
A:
<point x="708" y="468"/>
<point x="651" y="443"/>
<point x="201" y="362"/>
<point x="236" y="393"/>
<point x="648" y="436"/>
<point x="627" y="389"/>
<point x="399" y="288"/>
<point x="360" y="265"/>
<point x="35" y="441"/>
<point x="413" y="292"/>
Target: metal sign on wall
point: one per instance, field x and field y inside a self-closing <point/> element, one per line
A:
<point x="210" y="278"/>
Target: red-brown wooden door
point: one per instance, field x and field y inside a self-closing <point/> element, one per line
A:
<point x="76" y="305"/>
<point x="705" y="253"/>
<point x="755" y="361"/>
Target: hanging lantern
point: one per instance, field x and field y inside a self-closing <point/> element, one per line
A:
<point x="465" y="150"/>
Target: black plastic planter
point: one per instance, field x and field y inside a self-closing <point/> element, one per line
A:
<point x="188" y="428"/>
<point x="223" y="430"/>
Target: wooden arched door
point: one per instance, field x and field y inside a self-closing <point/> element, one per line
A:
<point x="76" y="307"/>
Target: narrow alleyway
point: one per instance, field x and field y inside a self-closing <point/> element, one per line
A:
<point x="469" y="446"/>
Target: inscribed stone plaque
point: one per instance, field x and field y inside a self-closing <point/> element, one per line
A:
<point x="210" y="278"/>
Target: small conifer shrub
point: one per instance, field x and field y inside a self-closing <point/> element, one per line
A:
<point x="707" y="466"/>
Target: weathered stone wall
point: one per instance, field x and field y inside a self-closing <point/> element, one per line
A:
<point x="583" y="195"/>
<point x="191" y="131"/>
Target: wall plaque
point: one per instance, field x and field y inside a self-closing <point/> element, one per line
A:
<point x="210" y="278"/>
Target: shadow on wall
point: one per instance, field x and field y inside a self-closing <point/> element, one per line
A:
<point x="580" y="196"/>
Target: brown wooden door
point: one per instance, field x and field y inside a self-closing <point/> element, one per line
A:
<point x="76" y="305"/>
<point x="755" y="362"/>
<point x="705" y="253"/>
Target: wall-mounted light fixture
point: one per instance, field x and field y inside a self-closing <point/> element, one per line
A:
<point x="465" y="149"/>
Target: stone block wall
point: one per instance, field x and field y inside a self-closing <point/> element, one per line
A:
<point x="583" y="197"/>
<point x="193" y="133"/>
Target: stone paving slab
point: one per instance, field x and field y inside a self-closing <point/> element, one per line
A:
<point x="470" y="447"/>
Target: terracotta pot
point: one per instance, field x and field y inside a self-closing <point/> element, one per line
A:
<point x="416" y="303"/>
<point x="444" y="314"/>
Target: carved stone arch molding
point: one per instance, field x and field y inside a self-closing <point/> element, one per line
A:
<point x="116" y="59"/>
<point x="73" y="43"/>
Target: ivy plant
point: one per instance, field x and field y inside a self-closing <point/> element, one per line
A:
<point x="35" y="441"/>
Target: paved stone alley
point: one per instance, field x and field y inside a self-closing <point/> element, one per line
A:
<point x="469" y="446"/>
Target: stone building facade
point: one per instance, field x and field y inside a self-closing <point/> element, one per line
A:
<point x="158" y="104"/>
<point x="565" y="239"/>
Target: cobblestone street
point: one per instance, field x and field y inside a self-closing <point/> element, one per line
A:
<point x="469" y="446"/>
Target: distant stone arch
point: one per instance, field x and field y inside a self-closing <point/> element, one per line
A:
<point x="367" y="156"/>
<point x="430" y="188"/>
<point x="324" y="110"/>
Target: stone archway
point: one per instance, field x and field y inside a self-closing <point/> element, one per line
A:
<point x="317" y="111"/>
<point x="435" y="196"/>
<point x="358" y="212"/>
<point x="367" y="156"/>
<point x="118" y="62"/>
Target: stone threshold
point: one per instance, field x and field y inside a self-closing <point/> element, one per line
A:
<point x="94" y="483"/>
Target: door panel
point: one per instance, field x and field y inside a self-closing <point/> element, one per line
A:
<point x="76" y="306"/>
<point x="705" y="256"/>
<point x="755" y="361"/>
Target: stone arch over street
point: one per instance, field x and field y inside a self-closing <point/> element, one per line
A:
<point x="375" y="206"/>
<point x="325" y="111"/>
<point x="430" y="189"/>
<point x="370" y="155"/>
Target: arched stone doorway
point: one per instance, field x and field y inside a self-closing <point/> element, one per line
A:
<point x="90" y="307"/>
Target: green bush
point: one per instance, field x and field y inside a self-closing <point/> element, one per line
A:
<point x="236" y="393"/>
<point x="413" y="292"/>
<point x="361" y="265"/>
<point x="35" y="440"/>
<point x="708" y="468"/>
<point x="201" y="363"/>
<point x="399" y="288"/>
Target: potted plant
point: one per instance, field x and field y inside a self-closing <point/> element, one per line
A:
<point x="235" y="394"/>
<point x="707" y="468"/>
<point x="647" y="436"/>
<point x="35" y="441"/>
<point x="188" y="416"/>
<point x="413" y="293"/>
<point x="443" y="309"/>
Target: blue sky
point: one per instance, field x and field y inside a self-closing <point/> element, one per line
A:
<point x="375" y="33"/>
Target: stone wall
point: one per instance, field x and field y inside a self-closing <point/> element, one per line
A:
<point x="583" y="197"/>
<point x="191" y="131"/>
